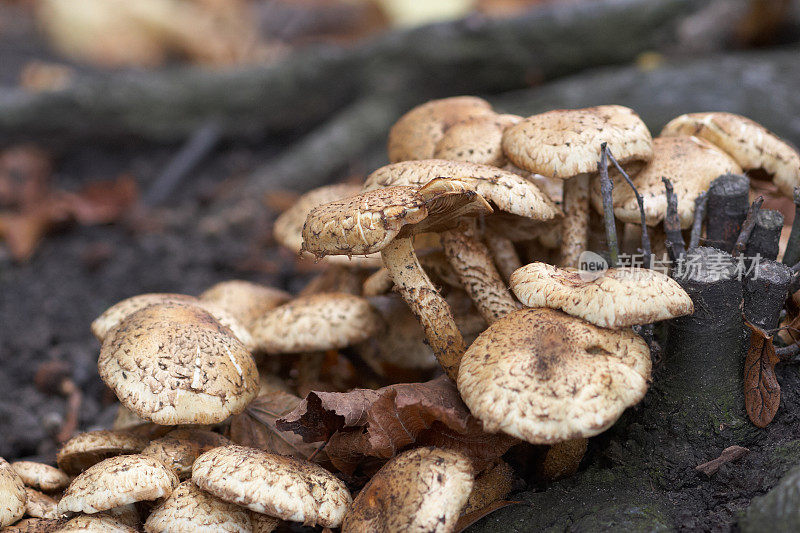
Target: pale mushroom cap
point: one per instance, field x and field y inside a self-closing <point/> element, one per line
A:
<point x="325" y="321"/>
<point x="420" y="490"/>
<point x="288" y="228"/>
<point x="86" y="449"/>
<point x="546" y="377"/>
<point x="749" y="143"/>
<point x="190" y="509"/>
<point x="566" y="142"/>
<point x="40" y="505"/>
<point x="272" y="484"/>
<point x="179" y="448"/>
<point x="416" y="134"/>
<point x="690" y="163"/>
<point x="118" y="481"/>
<point x="510" y="192"/>
<point x="40" y="476"/>
<point x="476" y="140"/>
<point x="35" y="525"/>
<point x="368" y="222"/>
<point x="246" y="300"/>
<point x="621" y="297"/>
<point x="175" y="364"/>
<point x="12" y="495"/>
<point x="97" y="523"/>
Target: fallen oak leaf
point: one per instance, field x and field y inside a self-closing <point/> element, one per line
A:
<point x="762" y="393"/>
<point x="729" y="454"/>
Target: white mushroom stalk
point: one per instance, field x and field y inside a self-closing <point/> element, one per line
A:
<point x="504" y="254"/>
<point x="575" y="224"/>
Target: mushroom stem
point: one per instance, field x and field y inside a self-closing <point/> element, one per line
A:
<point x="504" y="253"/>
<point x="792" y="253"/>
<point x="700" y="204"/>
<point x="672" y="224"/>
<point x="336" y="278"/>
<point x="471" y="260"/>
<point x="765" y="239"/>
<point x="432" y="311"/>
<point x="646" y="248"/>
<point x="575" y="224"/>
<point x="747" y="227"/>
<point x="379" y="282"/>
<point x="607" y="190"/>
<point x="728" y="202"/>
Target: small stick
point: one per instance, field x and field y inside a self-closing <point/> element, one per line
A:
<point x="700" y="204"/>
<point x="646" y="248"/>
<point x="792" y="253"/>
<point x="747" y="227"/>
<point x="788" y="354"/>
<point x="672" y="225"/>
<point x="765" y="238"/>
<point x="728" y="203"/>
<point x="607" y="190"/>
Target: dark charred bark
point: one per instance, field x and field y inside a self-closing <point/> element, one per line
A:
<point x="766" y="235"/>
<point x="728" y="202"/>
<point x="765" y="290"/>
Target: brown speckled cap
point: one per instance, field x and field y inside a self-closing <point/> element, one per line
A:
<point x="190" y="509"/>
<point x="368" y="222"/>
<point x="40" y="476"/>
<point x="39" y="504"/>
<point x="545" y="377"/>
<point x="118" y="481"/>
<point x="621" y="297"/>
<point x="416" y="134"/>
<point x="566" y="142"/>
<point x="12" y="495"/>
<point x="96" y="523"/>
<point x="175" y="364"/>
<point x="36" y="525"/>
<point x="245" y="300"/>
<point x="490" y="486"/>
<point x="325" y="321"/>
<point x="750" y="144"/>
<point x="690" y="163"/>
<point x="423" y="489"/>
<point x="476" y="140"/>
<point x="276" y="485"/>
<point x="507" y="191"/>
<point x="179" y="448"/>
<point x="85" y="449"/>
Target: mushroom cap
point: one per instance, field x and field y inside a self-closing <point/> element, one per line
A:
<point x="86" y="449"/>
<point x="318" y="322"/>
<point x="39" y="505"/>
<point x="12" y="495"/>
<point x="272" y="484"/>
<point x="476" y="140"/>
<point x="690" y="163"/>
<point x="96" y="523"/>
<point x="750" y="144"/>
<point x="416" y="134"/>
<point x="118" y="481"/>
<point x="368" y="222"/>
<point x="507" y="191"/>
<point x="288" y="228"/>
<point x="245" y="300"/>
<point x="620" y="297"/>
<point x="420" y="490"/>
<point x="190" y="509"/>
<point x="491" y="485"/>
<point x="546" y="377"/>
<point x="179" y="448"/>
<point x="175" y="364"/>
<point x="40" y="476"/>
<point x="35" y="525"/>
<point x="566" y="142"/>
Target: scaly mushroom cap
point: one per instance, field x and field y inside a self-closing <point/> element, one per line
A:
<point x="621" y="297"/>
<point x="39" y="505"/>
<point x="288" y="228"/>
<point x="416" y="134"/>
<point x="245" y="300"/>
<point x="96" y="523"/>
<point x="750" y="144"/>
<point x="12" y="495"/>
<point x="325" y="321"/>
<point x="476" y="140"/>
<point x="179" y="448"/>
<point x="175" y="364"/>
<point x="690" y="163"/>
<point x="190" y="509"/>
<point x="546" y="377"/>
<point x="36" y="525"/>
<point x="368" y="222"/>
<point x="86" y="449"/>
<point x="276" y="485"/>
<point x="507" y="191"/>
<point x="566" y="142"/>
<point x="40" y="476"/>
<point x="420" y="490"/>
<point x="118" y="481"/>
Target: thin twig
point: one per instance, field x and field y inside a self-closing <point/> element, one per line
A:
<point x="607" y="190"/>
<point x="700" y="204"/>
<point x="792" y="253"/>
<point x="747" y="227"/>
<point x="672" y="224"/>
<point x="788" y="354"/>
<point x="646" y="249"/>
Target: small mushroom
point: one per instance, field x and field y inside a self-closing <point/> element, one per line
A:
<point x="40" y="476"/>
<point x="546" y="377"/>
<point x="620" y="297"/>
<point x="87" y="449"/>
<point x="12" y="495"/>
<point x="490" y="486"/>
<point x="175" y="364"/>
<point x="245" y="300"/>
<point x="36" y="525"/>
<point x="276" y="485"/>
<point x="40" y="505"/>
<point x="96" y="523"/>
<point x="179" y="448"/>
<point x="476" y="140"/>
<point x="423" y="489"/>
<point x="118" y="481"/>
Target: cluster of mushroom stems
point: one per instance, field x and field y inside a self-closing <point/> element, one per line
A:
<point x="462" y="227"/>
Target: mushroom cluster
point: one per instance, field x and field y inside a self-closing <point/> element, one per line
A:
<point x="442" y="263"/>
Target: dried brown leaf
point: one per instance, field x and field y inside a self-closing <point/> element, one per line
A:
<point x="102" y="202"/>
<point x="729" y="454"/>
<point x="762" y="393"/>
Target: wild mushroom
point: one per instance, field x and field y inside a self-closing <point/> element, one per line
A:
<point x="179" y="448"/>
<point x="40" y="476"/>
<point x="476" y="140"/>
<point x="546" y="377"/>
<point x="39" y="505"/>
<point x="36" y="525"/>
<point x="97" y="523"/>
<point x="175" y="364"/>
<point x="276" y="485"/>
<point x="245" y="300"/>
<point x="384" y="220"/>
<point x="118" y="481"/>
<point x="566" y="144"/>
<point x="491" y="485"/>
<point x="12" y="495"/>
<point x="423" y="489"/>
<point x="87" y="449"/>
